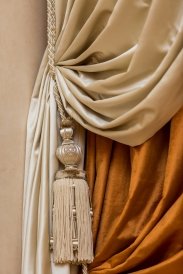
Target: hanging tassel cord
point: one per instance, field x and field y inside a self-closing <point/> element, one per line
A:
<point x="51" y="37"/>
<point x="72" y="236"/>
<point x="84" y="269"/>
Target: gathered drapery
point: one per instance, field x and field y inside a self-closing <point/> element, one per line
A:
<point x="137" y="196"/>
<point x="119" y="72"/>
<point x="118" y="62"/>
<point x="40" y="168"/>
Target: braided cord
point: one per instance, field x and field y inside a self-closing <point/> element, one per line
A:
<point x="84" y="268"/>
<point x="51" y="36"/>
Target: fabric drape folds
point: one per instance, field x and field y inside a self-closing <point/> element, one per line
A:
<point x="119" y="71"/>
<point x="138" y="203"/>
<point x="40" y="168"/>
<point x="118" y="62"/>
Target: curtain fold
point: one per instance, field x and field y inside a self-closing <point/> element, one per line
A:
<point x="40" y="168"/>
<point x="119" y="71"/>
<point x="137" y="196"/>
<point x="35" y="251"/>
<point x="118" y="62"/>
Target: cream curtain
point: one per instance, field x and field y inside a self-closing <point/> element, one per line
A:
<point x="120" y="65"/>
<point x="40" y="169"/>
<point x="119" y="70"/>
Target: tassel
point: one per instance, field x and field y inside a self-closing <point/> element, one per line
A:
<point x="72" y="234"/>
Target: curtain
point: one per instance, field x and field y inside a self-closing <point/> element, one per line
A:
<point x="117" y="63"/>
<point x="137" y="196"/>
<point x="40" y="168"/>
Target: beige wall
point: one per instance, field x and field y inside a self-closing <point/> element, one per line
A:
<point x="22" y="42"/>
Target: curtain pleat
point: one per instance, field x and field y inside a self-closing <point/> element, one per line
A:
<point x="138" y="203"/>
<point x="41" y="165"/>
<point x="117" y="62"/>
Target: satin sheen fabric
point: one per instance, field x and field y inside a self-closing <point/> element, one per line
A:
<point x="137" y="196"/>
<point x="40" y="168"/>
<point x="116" y="68"/>
<point x="120" y="65"/>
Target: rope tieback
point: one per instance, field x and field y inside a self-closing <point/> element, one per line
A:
<point x="72" y="236"/>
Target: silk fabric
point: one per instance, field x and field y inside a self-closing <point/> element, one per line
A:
<point x="120" y="65"/>
<point x="137" y="196"/>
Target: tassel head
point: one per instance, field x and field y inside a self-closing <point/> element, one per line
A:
<point x="69" y="153"/>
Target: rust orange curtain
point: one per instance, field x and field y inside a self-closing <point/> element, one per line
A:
<point x="137" y="202"/>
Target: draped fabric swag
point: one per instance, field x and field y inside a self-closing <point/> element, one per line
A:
<point x="118" y="62"/>
<point x="119" y="71"/>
